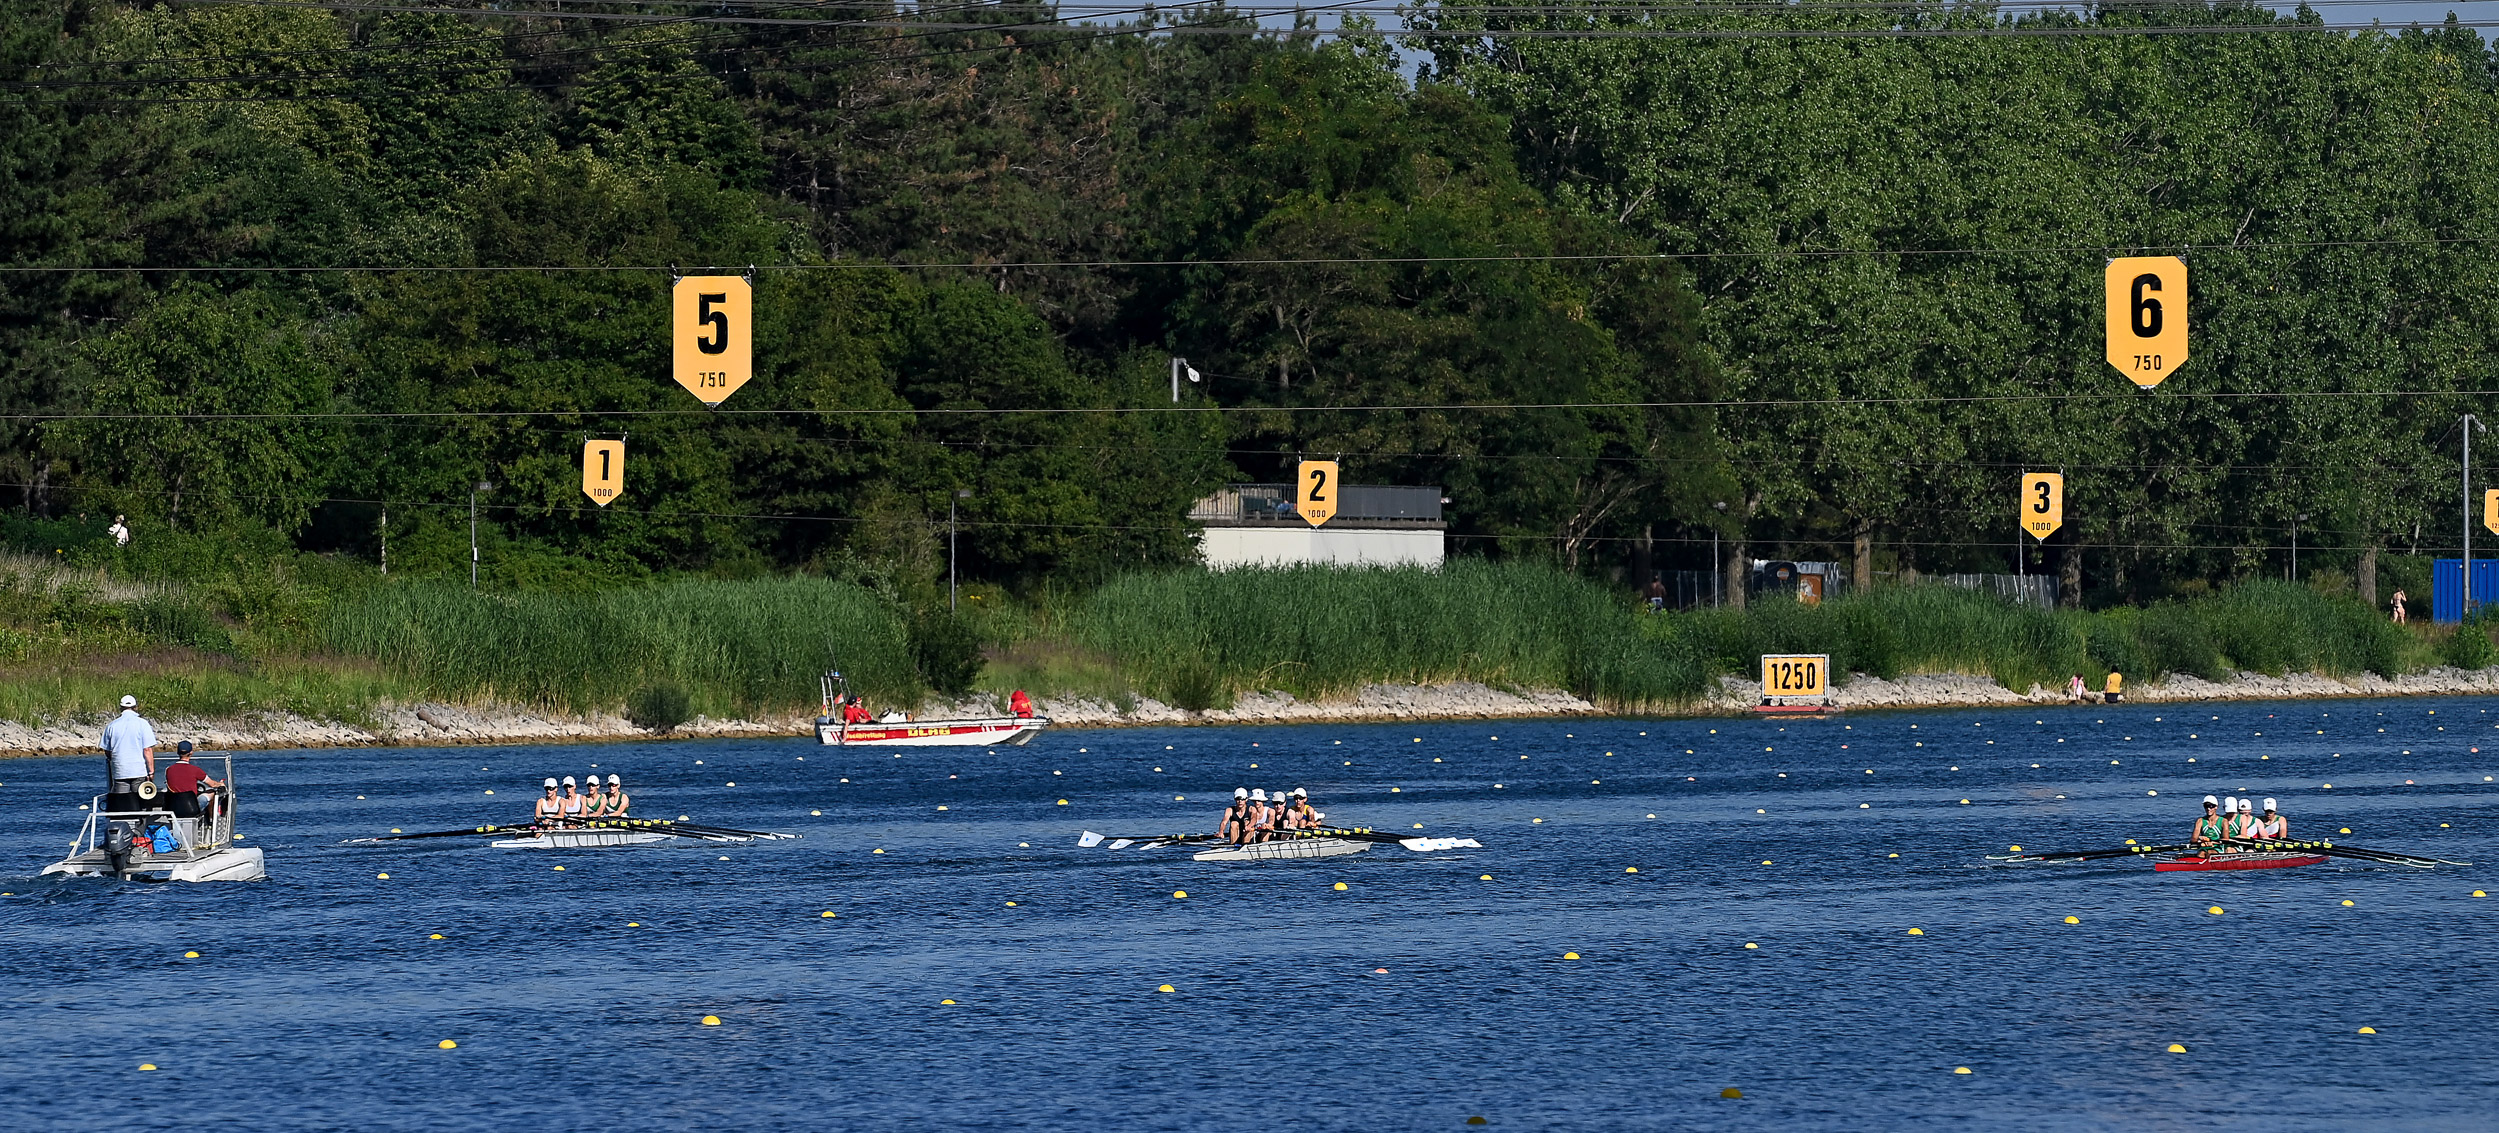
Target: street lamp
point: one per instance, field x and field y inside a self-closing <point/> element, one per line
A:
<point x="959" y="494"/>
<point x="2296" y="520"/>
<point x="480" y="487"/>
<point x="1717" y="567"/>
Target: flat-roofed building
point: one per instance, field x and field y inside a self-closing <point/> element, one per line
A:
<point x="1374" y="525"/>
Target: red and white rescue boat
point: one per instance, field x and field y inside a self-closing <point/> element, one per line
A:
<point x="994" y="731"/>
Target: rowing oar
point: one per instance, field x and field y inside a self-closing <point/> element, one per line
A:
<point x="2086" y="855"/>
<point x="2357" y="853"/>
<point x="1151" y="841"/>
<point x="471" y="831"/>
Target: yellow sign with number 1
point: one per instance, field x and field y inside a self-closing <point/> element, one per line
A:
<point x="602" y="471"/>
<point x="2147" y="317"/>
<point x="1315" y="498"/>
<point x="2043" y="504"/>
<point x="711" y="318"/>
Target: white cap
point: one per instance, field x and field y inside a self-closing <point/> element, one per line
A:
<point x="1301" y="792"/>
<point x="130" y="702"/>
<point x="550" y="782"/>
<point x="2268" y="804"/>
<point x="1240" y="792"/>
<point x="613" y="781"/>
<point x="2230" y="806"/>
<point x="2211" y="801"/>
<point x="568" y="781"/>
<point x="1259" y="796"/>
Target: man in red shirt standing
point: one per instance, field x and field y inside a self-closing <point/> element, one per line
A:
<point x="188" y="781"/>
<point x="1020" y="704"/>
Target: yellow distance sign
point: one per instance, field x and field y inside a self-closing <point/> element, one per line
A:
<point x="1315" y="492"/>
<point x="2147" y="317"/>
<point x="2042" y="504"/>
<point x="711" y="319"/>
<point x="602" y="471"/>
<point x="2490" y="509"/>
<point x="1795" y="674"/>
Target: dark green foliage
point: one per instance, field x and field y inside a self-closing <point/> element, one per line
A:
<point x="945" y="651"/>
<point x="659" y="707"/>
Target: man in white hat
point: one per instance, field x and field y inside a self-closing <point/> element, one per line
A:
<point x="129" y="751"/>
<point x="1235" y="827"/>
<point x="2211" y="829"/>
<point x="2269" y="826"/>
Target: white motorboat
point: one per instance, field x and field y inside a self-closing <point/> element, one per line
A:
<point x="144" y="837"/>
<point x="896" y="730"/>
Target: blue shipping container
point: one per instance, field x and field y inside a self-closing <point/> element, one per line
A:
<point x="2447" y="587"/>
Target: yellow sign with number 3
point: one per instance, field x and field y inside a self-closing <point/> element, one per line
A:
<point x="2042" y="505"/>
<point x="2147" y="317"/>
<point x="602" y="471"/>
<point x="1315" y="495"/>
<point x="711" y="320"/>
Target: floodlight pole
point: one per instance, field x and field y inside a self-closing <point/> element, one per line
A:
<point x="481" y="486"/>
<point x="2465" y="608"/>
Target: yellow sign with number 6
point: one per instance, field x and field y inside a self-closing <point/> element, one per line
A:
<point x="2042" y="504"/>
<point x="1315" y="497"/>
<point x="602" y="471"/>
<point x="711" y="319"/>
<point x="2147" y="317"/>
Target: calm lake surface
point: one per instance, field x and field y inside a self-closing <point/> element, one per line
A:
<point x="1417" y="997"/>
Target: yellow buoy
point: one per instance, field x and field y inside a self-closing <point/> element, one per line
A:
<point x="147" y="1066"/>
<point x="2346" y="830"/>
<point x="877" y="850"/>
<point x="2479" y="893"/>
<point x="1570" y="955"/>
<point x="633" y="924"/>
<point x="559" y="869"/>
<point x="1960" y="1069"/>
<point x="816" y="813"/>
<point x="2215" y="910"/>
<point x="1917" y="932"/>
<point x="945" y="1003"/>
<point x="2347" y="904"/>
<point x="2177" y="1048"/>
<point x="2073" y="920"/>
<point x="1165" y="987"/>
<point x="2368" y="1030"/>
<point x="1179" y="893"/>
<point x="711" y="1020"/>
<point x="2016" y="849"/>
<point x="436" y="936"/>
<point x="381" y="877"/>
<point x="826" y="913"/>
<point x="1340" y="887"/>
<point x="1062" y="802"/>
<point x="1485" y="877"/>
<point x="1730" y="1092"/>
<point x="446" y="1044"/>
<point x="1631" y="869"/>
<point x="190" y="955"/>
<point x="1891" y="855"/>
<point x="1750" y="944"/>
<point x="1765" y="861"/>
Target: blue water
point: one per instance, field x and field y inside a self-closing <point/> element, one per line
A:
<point x="1419" y="996"/>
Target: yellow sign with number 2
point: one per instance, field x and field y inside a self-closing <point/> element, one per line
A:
<point x="2147" y="317"/>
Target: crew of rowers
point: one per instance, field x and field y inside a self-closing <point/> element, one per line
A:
<point x="574" y="806"/>
<point x="2237" y="820"/>
<point x="1256" y="817"/>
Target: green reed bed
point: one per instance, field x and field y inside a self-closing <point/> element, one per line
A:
<point x="1197" y="638"/>
<point x="734" y="646"/>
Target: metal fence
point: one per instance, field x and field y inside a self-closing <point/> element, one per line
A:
<point x="1702" y="589"/>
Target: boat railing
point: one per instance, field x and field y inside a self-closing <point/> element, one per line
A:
<point x="194" y="836"/>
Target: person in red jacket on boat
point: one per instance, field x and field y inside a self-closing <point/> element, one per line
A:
<point x="1020" y="704"/>
<point x="854" y="712"/>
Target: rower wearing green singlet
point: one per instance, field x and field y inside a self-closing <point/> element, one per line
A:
<point x="2211" y="829"/>
<point x="2243" y="821"/>
<point x="593" y="805"/>
<point x="618" y="802"/>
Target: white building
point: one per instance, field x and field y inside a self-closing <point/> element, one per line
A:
<point x="1374" y="525"/>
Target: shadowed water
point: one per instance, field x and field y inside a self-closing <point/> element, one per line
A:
<point x="318" y="998"/>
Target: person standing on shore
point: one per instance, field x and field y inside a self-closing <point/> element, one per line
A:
<point x="120" y="531"/>
<point x="2116" y="688"/>
<point x="2074" y="689"/>
<point x="2399" y="607"/>
<point x="1657" y="592"/>
<point x="129" y="750"/>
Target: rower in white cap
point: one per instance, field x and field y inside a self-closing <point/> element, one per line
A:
<point x="570" y="803"/>
<point x="2211" y="829"/>
<point x="550" y="808"/>
<point x="2269" y="827"/>
<point x="1257" y="822"/>
<point x="593" y="805"/>
<point x="1297" y="812"/>
<point x="1235" y="828"/>
<point x="617" y="800"/>
<point x="2243" y="821"/>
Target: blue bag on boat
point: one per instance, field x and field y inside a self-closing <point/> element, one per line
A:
<point x="162" y="838"/>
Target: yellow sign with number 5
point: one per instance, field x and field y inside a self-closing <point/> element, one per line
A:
<point x="2042" y="505"/>
<point x="602" y="471"/>
<point x="2147" y="317"/>
<point x="1315" y="495"/>
<point x="711" y="320"/>
<point x="1795" y="674"/>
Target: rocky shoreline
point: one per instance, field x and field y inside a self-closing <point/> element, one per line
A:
<point x="444" y="724"/>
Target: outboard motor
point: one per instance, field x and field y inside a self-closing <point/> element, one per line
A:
<point x="117" y="849"/>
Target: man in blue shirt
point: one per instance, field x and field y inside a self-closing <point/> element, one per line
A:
<point x="129" y="749"/>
